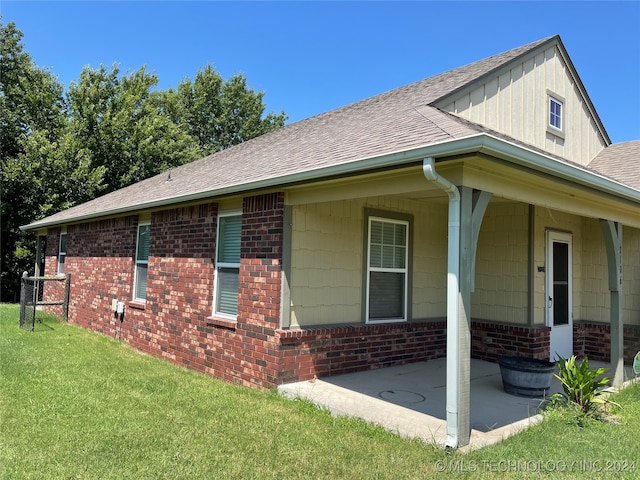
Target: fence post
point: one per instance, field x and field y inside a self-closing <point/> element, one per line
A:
<point x="67" y="287"/>
<point x="23" y="297"/>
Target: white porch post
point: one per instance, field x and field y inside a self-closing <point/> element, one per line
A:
<point x="612" y="232"/>
<point x="464" y="318"/>
<point x="466" y="210"/>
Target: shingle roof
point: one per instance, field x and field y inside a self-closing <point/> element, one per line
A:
<point x="620" y="162"/>
<point x="394" y="121"/>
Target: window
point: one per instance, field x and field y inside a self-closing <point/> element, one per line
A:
<point x="387" y="282"/>
<point x="555" y="113"/>
<point x="227" y="265"/>
<point x="142" y="261"/>
<point x="62" y="252"/>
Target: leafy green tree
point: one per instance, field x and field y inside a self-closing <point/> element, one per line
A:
<point x="115" y="125"/>
<point x="31" y="120"/>
<point x="107" y="132"/>
<point x="219" y="113"/>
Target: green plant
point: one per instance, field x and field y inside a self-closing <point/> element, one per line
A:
<point x="582" y="385"/>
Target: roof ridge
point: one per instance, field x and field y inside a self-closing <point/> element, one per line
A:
<point x="511" y="54"/>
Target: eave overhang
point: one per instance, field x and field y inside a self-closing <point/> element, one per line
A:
<point x="482" y="143"/>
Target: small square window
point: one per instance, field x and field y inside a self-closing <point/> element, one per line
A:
<point x="555" y="113"/>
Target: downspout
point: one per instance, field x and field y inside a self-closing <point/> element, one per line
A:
<point x="453" y="290"/>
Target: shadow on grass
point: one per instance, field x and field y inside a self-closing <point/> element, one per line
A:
<point x="44" y="321"/>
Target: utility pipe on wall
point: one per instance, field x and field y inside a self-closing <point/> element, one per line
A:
<point x="453" y="305"/>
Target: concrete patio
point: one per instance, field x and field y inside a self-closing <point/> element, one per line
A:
<point x="410" y="400"/>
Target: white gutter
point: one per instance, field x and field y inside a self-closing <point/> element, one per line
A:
<point x="453" y="290"/>
<point x="481" y="143"/>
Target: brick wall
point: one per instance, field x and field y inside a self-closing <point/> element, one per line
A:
<point x="491" y="340"/>
<point x="179" y="287"/>
<point x="260" y="280"/>
<point x="100" y="261"/>
<point x="592" y="339"/>
<point x="321" y="352"/>
<point x="176" y="320"/>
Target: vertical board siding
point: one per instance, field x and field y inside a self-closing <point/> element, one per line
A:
<point x="514" y="102"/>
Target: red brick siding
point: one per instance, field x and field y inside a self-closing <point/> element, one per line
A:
<point x="100" y="261"/>
<point x="175" y="322"/>
<point x="260" y="286"/>
<point x="593" y="340"/>
<point x="179" y="286"/>
<point x="329" y="351"/>
<point x="510" y="340"/>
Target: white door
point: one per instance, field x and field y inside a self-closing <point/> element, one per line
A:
<point x="559" y="296"/>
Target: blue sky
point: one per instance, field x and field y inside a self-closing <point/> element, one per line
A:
<point x="311" y="57"/>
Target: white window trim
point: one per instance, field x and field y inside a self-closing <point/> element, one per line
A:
<point x="140" y="262"/>
<point x="61" y="254"/>
<point x="404" y="270"/>
<point x="557" y="131"/>
<point x="218" y="265"/>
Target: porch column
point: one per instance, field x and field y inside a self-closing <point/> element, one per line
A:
<point x="473" y="205"/>
<point x="466" y="210"/>
<point x="612" y="232"/>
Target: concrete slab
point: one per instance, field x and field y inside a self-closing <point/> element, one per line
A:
<point x="410" y="400"/>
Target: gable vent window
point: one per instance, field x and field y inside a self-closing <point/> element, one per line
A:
<point x="555" y="113"/>
<point x="556" y="116"/>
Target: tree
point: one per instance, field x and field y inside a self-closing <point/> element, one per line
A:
<point x="31" y="118"/>
<point x="107" y="132"/>
<point x="219" y="113"/>
<point x="115" y="125"/>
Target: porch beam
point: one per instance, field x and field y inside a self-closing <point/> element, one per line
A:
<point x="612" y="232"/>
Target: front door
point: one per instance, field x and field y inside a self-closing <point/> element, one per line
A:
<point x="558" y="294"/>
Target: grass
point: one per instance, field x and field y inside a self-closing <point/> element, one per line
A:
<point x="79" y="405"/>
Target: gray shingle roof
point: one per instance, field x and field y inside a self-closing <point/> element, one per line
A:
<point x="394" y="121"/>
<point x="620" y="162"/>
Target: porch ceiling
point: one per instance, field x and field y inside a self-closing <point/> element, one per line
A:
<point x="514" y="182"/>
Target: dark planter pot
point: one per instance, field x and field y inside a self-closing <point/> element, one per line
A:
<point x="526" y="377"/>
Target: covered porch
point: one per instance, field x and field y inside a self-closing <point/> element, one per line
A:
<point x="410" y="400"/>
<point x="512" y="252"/>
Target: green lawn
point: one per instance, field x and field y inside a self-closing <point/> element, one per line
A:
<point x="78" y="405"/>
